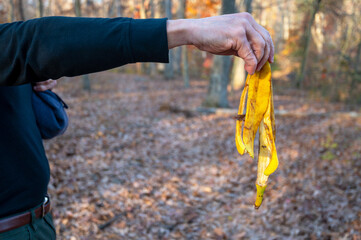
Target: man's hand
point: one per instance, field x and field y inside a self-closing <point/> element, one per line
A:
<point x="46" y="85"/>
<point x="233" y="34"/>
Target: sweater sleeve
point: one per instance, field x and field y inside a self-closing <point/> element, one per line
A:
<point x="52" y="47"/>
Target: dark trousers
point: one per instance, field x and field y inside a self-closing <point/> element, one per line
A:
<point x="38" y="229"/>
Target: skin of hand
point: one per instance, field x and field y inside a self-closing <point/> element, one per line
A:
<point x="232" y="34"/>
<point x="45" y="85"/>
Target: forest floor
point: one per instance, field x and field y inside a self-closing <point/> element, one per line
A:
<point x="131" y="166"/>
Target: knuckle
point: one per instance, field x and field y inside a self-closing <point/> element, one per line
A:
<point x="263" y="44"/>
<point x="241" y="34"/>
<point x="242" y="22"/>
<point x="247" y="15"/>
<point x="250" y="58"/>
<point x="269" y="40"/>
<point x="260" y="44"/>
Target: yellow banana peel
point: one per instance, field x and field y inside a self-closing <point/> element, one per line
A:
<point x="239" y="142"/>
<point x="259" y="115"/>
<point x="257" y="103"/>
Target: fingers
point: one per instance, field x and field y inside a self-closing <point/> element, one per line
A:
<point x="256" y="41"/>
<point x="265" y="57"/>
<point x="269" y="43"/>
<point x="254" y="49"/>
<point x="260" y="41"/>
<point x="45" y="85"/>
<point x="246" y="52"/>
<point x="272" y="53"/>
<point x="266" y="36"/>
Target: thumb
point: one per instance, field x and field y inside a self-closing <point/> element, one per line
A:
<point x="246" y="53"/>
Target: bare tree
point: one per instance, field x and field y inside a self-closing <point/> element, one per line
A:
<point x="178" y="51"/>
<point x="217" y="88"/>
<point x="11" y="14"/>
<point x="248" y="5"/>
<point x="86" y="79"/>
<point x="152" y="66"/>
<point x="142" y="67"/>
<point x="301" y="75"/>
<point x="40" y="9"/>
<point x="118" y="7"/>
<point x="50" y="8"/>
<point x="180" y="55"/>
<point x="184" y="57"/>
<point x="168" y="71"/>
<point x="239" y="74"/>
<point x="21" y="10"/>
<point x="77" y="8"/>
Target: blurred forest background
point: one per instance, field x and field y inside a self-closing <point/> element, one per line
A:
<point x="318" y="43"/>
<point x="150" y="152"/>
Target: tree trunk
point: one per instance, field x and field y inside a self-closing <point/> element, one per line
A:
<point x="178" y="51"/>
<point x="185" y="68"/>
<point x="50" y="9"/>
<point x="86" y="83"/>
<point x="217" y="90"/>
<point x="169" y="71"/>
<point x="86" y="79"/>
<point x="239" y="74"/>
<point x="280" y="27"/>
<point x="144" y="67"/>
<point x="11" y="16"/>
<point x="287" y="23"/>
<point x="77" y="8"/>
<point x="248" y="5"/>
<point x="301" y="74"/>
<point x="40" y="9"/>
<point x="142" y="10"/>
<point x="182" y="52"/>
<point x="152" y="66"/>
<point x="358" y="58"/>
<point x="21" y="10"/>
<point x="109" y="12"/>
<point x="354" y="90"/>
<point x="119" y="8"/>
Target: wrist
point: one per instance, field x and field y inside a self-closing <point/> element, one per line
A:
<point x="179" y="32"/>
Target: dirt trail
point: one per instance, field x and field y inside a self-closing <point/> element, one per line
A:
<point x="149" y="173"/>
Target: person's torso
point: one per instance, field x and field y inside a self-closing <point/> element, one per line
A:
<point x="24" y="168"/>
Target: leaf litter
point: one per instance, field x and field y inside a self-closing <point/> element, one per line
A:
<point x="130" y="168"/>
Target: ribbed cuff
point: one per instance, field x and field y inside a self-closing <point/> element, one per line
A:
<point x="148" y="40"/>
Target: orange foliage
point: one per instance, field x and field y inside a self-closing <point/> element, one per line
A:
<point x="198" y="9"/>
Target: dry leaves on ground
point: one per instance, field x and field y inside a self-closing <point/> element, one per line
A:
<point x="128" y="168"/>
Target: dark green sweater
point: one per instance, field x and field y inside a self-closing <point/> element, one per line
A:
<point x="50" y="48"/>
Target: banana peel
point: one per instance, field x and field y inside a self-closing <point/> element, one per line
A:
<point x="259" y="115"/>
<point x="239" y="142"/>
<point x="257" y="103"/>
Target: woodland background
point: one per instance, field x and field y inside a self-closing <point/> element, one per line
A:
<point x="150" y="153"/>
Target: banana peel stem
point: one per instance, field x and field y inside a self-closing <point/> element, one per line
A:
<point x="259" y="198"/>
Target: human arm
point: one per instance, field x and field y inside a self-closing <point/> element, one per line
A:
<point x="52" y="47"/>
